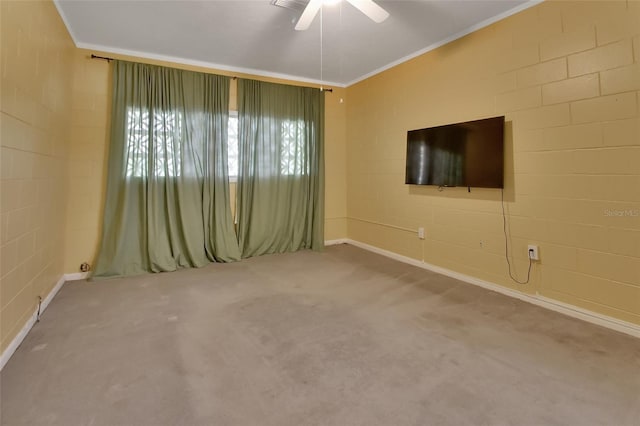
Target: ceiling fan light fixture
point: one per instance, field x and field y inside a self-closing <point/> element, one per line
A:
<point x="296" y="5"/>
<point x="370" y="8"/>
<point x="308" y="14"/>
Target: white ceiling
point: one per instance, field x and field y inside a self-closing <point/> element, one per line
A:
<point x="256" y="37"/>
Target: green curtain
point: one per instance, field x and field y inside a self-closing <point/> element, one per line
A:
<point x="280" y="192"/>
<point x="167" y="203"/>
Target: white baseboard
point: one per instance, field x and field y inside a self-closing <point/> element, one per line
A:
<point x="545" y="302"/>
<point x="8" y="352"/>
<point x="76" y="276"/>
<point x="335" y="242"/>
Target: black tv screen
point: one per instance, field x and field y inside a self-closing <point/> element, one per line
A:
<point x="469" y="154"/>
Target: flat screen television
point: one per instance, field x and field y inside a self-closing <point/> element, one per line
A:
<point x="469" y="154"/>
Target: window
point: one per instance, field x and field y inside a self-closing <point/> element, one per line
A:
<point x="167" y="129"/>
<point x="292" y="153"/>
<point x="292" y="147"/>
<point x="163" y="149"/>
<point x="232" y="146"/>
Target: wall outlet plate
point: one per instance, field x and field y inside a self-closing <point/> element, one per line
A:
<point x="532" y="252"/>
<point x="421" y="233"/>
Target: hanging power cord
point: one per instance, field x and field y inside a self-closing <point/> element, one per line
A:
<point x="506" y="245"/>
<point x="39" y="307"/>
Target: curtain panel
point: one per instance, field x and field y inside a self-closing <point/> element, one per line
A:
<point x="167" y="203"/>
<point x="280" y="192"/>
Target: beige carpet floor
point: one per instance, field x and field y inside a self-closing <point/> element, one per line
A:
<point x="343" y="337"/>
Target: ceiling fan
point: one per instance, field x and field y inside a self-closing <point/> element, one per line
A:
<point x="368" y="7"/>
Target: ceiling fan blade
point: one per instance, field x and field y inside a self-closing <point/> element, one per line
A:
<point x="371" y="9"/>
<point x="308" y="14"/>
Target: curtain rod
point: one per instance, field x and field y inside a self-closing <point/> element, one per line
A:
<point x="101" y="57"/>
<point x="322" y="89"/>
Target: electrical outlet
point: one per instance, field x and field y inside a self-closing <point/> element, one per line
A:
<point x="421" y="233"/>
<point x="532" y="252"/>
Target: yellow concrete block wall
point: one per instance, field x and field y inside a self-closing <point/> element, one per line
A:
<point x="35" y="104"/>
<point x="89" y="141"/>
<point x="87" y="159"/>
<point x="567" y="77"/>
